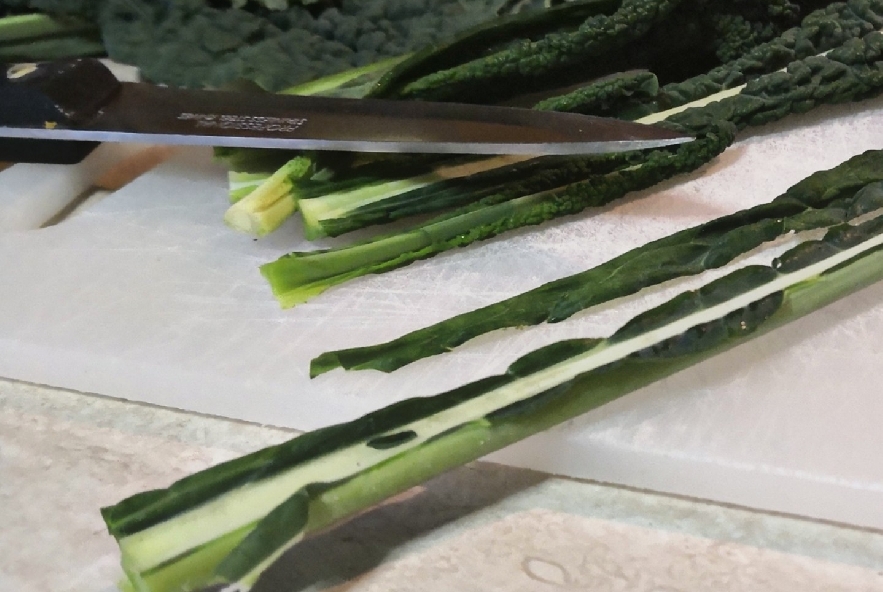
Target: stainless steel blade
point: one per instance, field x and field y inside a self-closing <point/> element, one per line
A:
<point x="155" y="114"/>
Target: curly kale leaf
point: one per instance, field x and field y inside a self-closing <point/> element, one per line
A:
<point x="820" y="31"/>
<point x="741" y="25"/>
<point x="201" y="43"/>
<point x="489" y="38"/>
<point x="611" y="95"/>
<point x="851" y="72"/>
<point x="525" y="60"/>
<point x="674" y="39"/>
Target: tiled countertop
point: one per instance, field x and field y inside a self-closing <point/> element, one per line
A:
<point x="64" y="455"/>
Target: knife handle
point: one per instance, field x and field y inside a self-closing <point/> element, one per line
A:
<point x="63" y="94"/>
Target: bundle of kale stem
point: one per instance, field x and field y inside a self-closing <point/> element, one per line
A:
<point x="225" y="526"/>
<point x="823" y="64"/>
<point x="853" y="71"/>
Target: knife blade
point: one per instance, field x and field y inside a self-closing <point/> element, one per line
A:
<point x="81" y="103"/>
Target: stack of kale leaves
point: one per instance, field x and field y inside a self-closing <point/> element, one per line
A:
<point x="280" y="43"/>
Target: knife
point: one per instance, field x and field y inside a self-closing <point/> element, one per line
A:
<point x="59" y="111"/>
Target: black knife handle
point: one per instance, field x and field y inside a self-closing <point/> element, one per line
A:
<point x="63" y="94"/>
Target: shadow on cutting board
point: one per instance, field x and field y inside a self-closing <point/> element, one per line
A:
<point x="405" y="524"/>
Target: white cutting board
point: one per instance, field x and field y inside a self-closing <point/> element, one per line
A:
<point x="148" y="296"/>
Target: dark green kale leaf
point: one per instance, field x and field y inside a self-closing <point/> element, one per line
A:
<point x="851" y="72"/>
<point x="200" y="43"/>
<point x="527" y="60"/>
<point x="611" y="95"/>
<point x="824" y="199"/>
<point x="820" y="31"/>
<point x="674" y="39"/>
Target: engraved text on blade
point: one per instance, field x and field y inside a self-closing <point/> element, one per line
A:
<point x="245" y="122"/>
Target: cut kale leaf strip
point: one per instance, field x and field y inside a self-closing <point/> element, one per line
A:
<point x="821" y="200"/>
<point x="485" y="38"/>
<point x="227" y="524"/>
<point x="850" y="72"/>
<point x="619" y="95"/>
<point x="674" y="38"/>
<point x="630" y="95"/>
<point x="334" y="214"/>
<point x="407" y="192"/>
<point x="622" y="95"/>
<point x="297" y="277"/>
<point x="822" y="30"/>
<point x="332" y="202"/>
